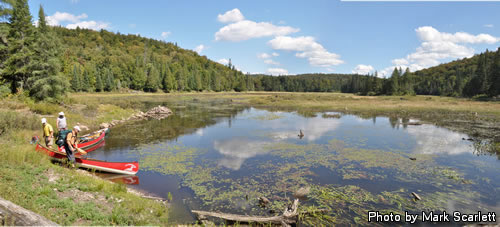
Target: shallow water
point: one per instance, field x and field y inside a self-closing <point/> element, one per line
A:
<point x="222" y="159"/>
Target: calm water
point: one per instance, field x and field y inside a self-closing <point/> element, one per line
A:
<point x="223" y="159"/>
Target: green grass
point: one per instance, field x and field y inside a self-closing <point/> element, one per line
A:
<point x="24" y="173"/>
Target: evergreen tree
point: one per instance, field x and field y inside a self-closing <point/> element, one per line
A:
<point x="75" y="81"/>
<point x="21" y="37"/>
<point x="6" y="9"/>
<point x="494" y="76"/>
<point x="46" y="81"/>
<point x="394" y="82"/>
<point x="85" y="85"/>
<point x="99" y="86"/>
<point x="153" y="79"/>
<point x="109" y="82"/>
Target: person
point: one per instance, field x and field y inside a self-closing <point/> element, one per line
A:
<point x="61" y="122"/>
<point x="70" y="144"/>
<point x="48" y="133"/>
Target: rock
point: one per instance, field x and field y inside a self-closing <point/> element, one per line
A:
<point x="416" y="196"/>
<point x="302" y="192"/>
<point x="263" y="201"/>
<point x="413" y="159"/>
<point x="158" y="112"/>
<point x="82" y="127"/>
<point x="104" y="125"/>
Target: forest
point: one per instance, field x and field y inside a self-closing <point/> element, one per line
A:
<point x="46" y="62"/>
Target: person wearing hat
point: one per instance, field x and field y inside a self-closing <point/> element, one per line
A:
<point x="61" y="122"/>
<point x="71" y="143"/>
<point x="48" y="133"/>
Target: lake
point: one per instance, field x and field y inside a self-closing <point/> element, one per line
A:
<point x="223" y="157"/>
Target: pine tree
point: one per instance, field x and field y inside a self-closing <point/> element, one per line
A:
<point x="153" y="79"/>
<point x="75" y="81"/>
<point x="394" y="82"/>
<point x="109" y="82"/>
<point x="494" y="76"/>
<point x="85" y="85"/>
<point x="6" y="9"/>
<point x="99" y="87"/>
<point x="46" y="81"/>
<point x="21" y="37"/>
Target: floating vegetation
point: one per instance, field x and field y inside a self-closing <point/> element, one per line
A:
<point x="268" y="117"/>
<point x="331" y="115"/>
<point x="167" y="159"/>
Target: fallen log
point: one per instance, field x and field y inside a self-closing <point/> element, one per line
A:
<point x="12" y="214"/>
<point x="289" y="216"/>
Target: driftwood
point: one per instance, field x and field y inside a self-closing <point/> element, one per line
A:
<point x="12" y="214"/>
<point x="289" y="216"/>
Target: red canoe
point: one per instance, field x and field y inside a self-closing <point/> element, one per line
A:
<point x="129" y="168"/>
<point x="89" y="142"/>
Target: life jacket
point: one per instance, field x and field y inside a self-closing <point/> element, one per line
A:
<point x="61" y="138"/>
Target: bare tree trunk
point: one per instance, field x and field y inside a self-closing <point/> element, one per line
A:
<point x="12" y="214"/>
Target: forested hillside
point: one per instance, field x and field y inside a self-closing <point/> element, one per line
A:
<point x="105" y="61"/>
<point x="46" y="62"/>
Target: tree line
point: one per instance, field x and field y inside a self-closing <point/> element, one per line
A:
<point x="46" y="62"/>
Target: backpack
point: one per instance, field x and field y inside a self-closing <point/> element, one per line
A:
<point x="61" y="138"/>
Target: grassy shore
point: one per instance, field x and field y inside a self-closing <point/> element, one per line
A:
<point x="65" y="196"/>
<point x="70" y="197"/>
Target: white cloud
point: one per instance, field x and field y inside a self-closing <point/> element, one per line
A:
<point x="488" y="25"/>
<point x="306" y="47"/>
<point x="246" y="29"/>
<point x="223" y="61"/>
<point x="277" y="71"/>
<point x="231" y="16"/>
<point x="59" y="17"/>
<point x="263" y="56"/>
<point x="274" y="54"/>
<point x="164" y="35"/>
<point x="74" y="21"/>
<point x="271" y="62"/>
<point x="437" y="46"/>
<point x="400" y="61"/>
<point x="200" y="48"/>
<point x="363" y="69"/>
<point x="94" y="25"/>
<point x="430" y="34"/>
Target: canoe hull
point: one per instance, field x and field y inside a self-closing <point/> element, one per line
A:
<point x="128" y="168"/>
<point x="90" y="142"/>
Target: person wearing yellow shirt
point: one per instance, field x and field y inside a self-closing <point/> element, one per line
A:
<point x="48" y="133"/>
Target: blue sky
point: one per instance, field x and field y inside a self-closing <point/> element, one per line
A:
<point x="291" y="37"/>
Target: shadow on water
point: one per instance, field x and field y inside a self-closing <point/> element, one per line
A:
<point x="220" y="156"/>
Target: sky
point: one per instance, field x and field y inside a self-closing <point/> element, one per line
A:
<point x="285" y="37"/>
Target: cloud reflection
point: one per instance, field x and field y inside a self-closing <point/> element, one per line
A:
<point x="313" y="129"/>
<point x="236" y="151"/>
<point x="433" y="140"/>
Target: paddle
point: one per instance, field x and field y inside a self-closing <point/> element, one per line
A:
<point x="81" y="151"/>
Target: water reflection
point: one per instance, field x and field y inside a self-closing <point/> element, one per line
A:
<point x="313" y="128"/>
<point x="236" y="151"/>
<point x="433" y="140"/>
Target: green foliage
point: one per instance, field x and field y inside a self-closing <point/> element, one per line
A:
<point x="11" y="120"/>
<point x="19" y="52"/>
<point x="6" y="9"/>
